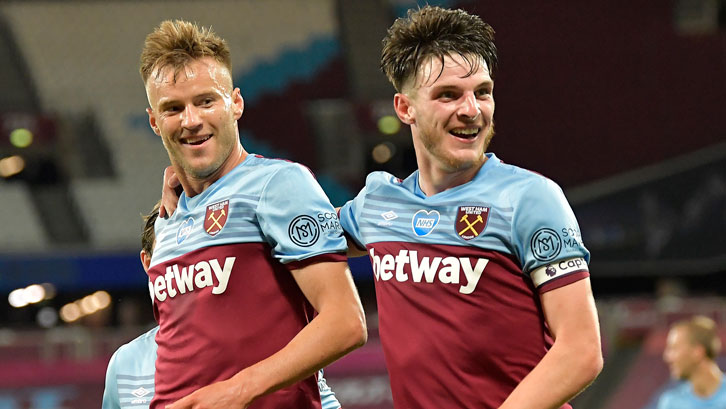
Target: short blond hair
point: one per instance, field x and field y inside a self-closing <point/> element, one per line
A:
<point x="702" y="331"/>
<point x="177" y="43"/>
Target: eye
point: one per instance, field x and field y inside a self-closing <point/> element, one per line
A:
<point x="207" y="101"/>
<point x="447" y="95"/>
<point x="483" y="92"/>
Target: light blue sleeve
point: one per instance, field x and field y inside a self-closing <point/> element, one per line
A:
<point x="350" y="216"/>
<point x="327" y="396"/>
<point x="110" y="391"/>
<point x="544" y="226"/>
<point x="666" y="401"/>
<point x="297" y="218"/>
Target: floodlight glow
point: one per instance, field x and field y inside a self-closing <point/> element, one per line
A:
<point x="17" y="299"/>
<point x="70" y="312"/>
<point x="87" y="305"/>
<point x="102" y="299"/>
<point x="49" y="290"/>
<point x="21" y="138"/>
<point x="47" y="317"/>
<point x="34" y="293"/>
<point x="12" y="165"/>
<point x="383" y="152"/>
<point x="389" y="124"/>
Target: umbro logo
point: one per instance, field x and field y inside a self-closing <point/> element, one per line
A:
<point x="141" y="391"/>
<point x="388" y="217"/>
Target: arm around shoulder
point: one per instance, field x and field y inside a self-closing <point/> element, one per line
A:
<point x="338" y="329"/>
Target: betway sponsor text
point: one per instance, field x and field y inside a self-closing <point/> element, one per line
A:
<point x="180" y="279"/>
<point x="407" y="265"/>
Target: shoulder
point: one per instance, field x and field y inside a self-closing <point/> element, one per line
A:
<point x="273" y="165"/>
<point x="256" y="172"/>
<point x="144" y="343"/>
<point x="675" y="397"/>
<point x="379" y="181"/>
<point x="523" y="181"/>
<point x="382" y="178"/>
<point x="521" y="187"/>
<point x="280" y="170"/>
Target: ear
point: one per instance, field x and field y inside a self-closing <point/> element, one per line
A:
<point x="152" y="121"/>
<point x="145" y="260"/>
<point x="700" y="351"/>
<point x="405" y="111"/>
<point x="238" y="102"/>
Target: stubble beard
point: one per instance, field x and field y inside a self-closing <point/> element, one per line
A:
<point x="451" y="163"/>
<point x="207" y="171"/>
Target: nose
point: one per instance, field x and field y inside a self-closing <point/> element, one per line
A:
<point x="469" y="107"/>
<point x="190" y="118"/>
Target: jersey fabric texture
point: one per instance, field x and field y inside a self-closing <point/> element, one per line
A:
<point x="458" y="277"/>
<point x="130" y="377"/>
<point x="682" y="397"/>
<point x="221" y="280"/>
<point x="130" y="374"/>
<point x="327" y="396"/>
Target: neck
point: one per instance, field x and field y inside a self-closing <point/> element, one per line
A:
<point x="194" y="186"/>
<point x="706" y="379"/>
<point x="434" y="178"/>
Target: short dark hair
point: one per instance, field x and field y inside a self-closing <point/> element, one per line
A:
<point x="435" y="32"/>
<point x="147" y="235"/>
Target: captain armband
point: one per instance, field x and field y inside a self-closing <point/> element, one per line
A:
<point x="558" y="269"/>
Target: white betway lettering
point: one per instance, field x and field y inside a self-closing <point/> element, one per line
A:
<point x="447" y="269"/>
<point x="180" y="279"/>
<point x="222" y="273"/>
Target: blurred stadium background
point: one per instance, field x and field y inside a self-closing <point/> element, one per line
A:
<point x="623" y="103"/>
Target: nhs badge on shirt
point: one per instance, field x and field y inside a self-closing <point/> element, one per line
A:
<point x="424" y="222"/>
<point x="184" y="230"/>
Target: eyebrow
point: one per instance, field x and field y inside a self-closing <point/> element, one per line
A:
<point x="167" y="103"/>
<point x="480" y="85"/>
<point x="171" y="102"/>
<point x="448" y="87"/>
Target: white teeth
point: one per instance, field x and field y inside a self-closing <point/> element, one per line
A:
<point x="467" y="132"/>
<point x="196" y="141"/>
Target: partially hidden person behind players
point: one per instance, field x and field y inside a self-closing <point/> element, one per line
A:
<point x="691" y="350"/>
<point x="130" y="372"/>
<point x="242" y="266"/>
<point x="481" y="276"/>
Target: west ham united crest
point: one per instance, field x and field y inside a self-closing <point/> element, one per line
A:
<point x="216" y="217"/>
<point x="471" y="221"/>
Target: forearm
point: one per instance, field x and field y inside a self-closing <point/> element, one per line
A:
<point x="329" y="336"/>
<point x="562" y="373"/>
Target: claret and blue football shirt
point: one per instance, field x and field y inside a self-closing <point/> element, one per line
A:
<point x="220" y="277"/>
<point x="130" y="376"/>
<point x="458" y="276"/>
